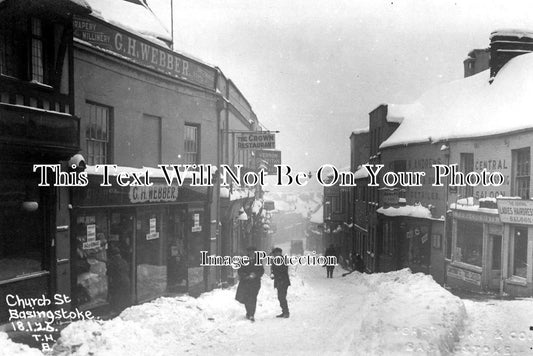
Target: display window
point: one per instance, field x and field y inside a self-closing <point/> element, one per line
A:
<point x="91" y="231"/>
<point x="469" y="245"/>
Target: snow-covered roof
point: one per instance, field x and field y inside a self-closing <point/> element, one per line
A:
<point x="397" y="112"/>
<point x="318" y="216"/>
<point x="470" y="107"/>
<point x="130" y="16"/>
<point x="510" y="32"/>
<point x="361" y="130"/>
<point x="361" y="172"/>
<point x="415" y="211"/>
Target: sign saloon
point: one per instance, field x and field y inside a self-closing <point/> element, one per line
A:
<point x="142" y="52"/>
<point x="515" y="211"/>
<point x="256" y="141"/>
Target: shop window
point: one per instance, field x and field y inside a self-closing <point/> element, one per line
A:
<point x="521" y="167"/>
<point x="192" y="144"/>
<point x="22" y="230"/>
<point x="467" y="166"/>
<point x="91" y="259"/>
<point x="469" y="247"/>
<point x="520" y="252"/>
<point x="98" y="133"/>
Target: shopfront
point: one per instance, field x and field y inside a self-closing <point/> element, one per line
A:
<point x="134" y="244"/>
<point x="516" y="216"/>
<point x="404" y="243"/>
<point x="476" y="259"/>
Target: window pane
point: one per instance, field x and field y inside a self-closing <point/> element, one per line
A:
<point x="520" y="252"/>
<point x="191" y="144"/>
<point x="97" y="133"/>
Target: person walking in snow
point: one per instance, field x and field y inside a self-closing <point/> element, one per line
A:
<point x="280" y="275"/>
<point x="249" y="284"/>
<point x="330" y="251"/>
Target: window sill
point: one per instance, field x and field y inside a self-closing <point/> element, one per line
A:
<point x="25" y="277"/>
<point x="516" y="280"/>
<point x="32" y="83"/>
<point x="467" y="266"/>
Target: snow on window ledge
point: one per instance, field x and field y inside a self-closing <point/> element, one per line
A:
<point x="516" y="280"/>
<point x="467" y="266"/>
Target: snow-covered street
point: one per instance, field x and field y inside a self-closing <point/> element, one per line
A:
<point x="397" y="313"/>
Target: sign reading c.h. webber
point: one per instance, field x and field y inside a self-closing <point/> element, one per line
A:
<point x="256" y="141"/>
<point x="142" y="52"/>
<point x="515" y="211"/>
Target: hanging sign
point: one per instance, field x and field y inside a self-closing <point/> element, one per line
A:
<point x="267" y="160"/>
<point x="256" y="141"/>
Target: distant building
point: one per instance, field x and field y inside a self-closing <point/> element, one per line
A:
<point x="483" y="243"/>
<point x="478" y="60"/>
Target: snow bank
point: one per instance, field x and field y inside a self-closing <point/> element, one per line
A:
<point x="10" y="348"/>
<point x="170" y="326"/>
<point x="408" y="314"/>
<point x="439" y="114"/>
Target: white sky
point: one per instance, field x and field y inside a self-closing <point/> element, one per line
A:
<point x="314" y="69"/>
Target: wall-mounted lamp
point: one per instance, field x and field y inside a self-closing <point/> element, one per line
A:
<point x="31" y="198"/>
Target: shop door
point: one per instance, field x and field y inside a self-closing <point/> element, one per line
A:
<point x="176" y="251"/>
<point x="150" y="254"/>
<point x="495" y="274"/>
<point x="120" y="259"/>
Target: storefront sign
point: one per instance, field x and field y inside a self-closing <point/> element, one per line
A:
<point x="153" y="194"/>
<point x="267" y="160"/>
<point x="256" y="141"/>
<point x="476" y="216"/>
<point x="464" y="275"/>
<point x="142" y="52"/>
<point x="89" y="245"/>
<point x="515" y="211"/>
<point x="196" y="227"/>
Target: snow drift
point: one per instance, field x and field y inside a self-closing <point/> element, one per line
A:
<point x="384" y="313"/>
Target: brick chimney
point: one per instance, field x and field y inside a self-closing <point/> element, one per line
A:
<point x="507" y="44"/>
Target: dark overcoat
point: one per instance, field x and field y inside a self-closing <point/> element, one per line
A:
<point x="249" y="286"/>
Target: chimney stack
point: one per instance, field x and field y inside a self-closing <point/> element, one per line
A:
<point x="507" y="44"/>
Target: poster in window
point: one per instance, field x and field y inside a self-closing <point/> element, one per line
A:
<point x="196" y="223"/>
